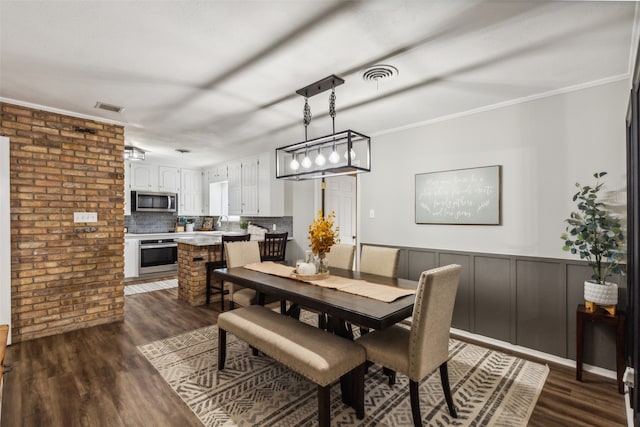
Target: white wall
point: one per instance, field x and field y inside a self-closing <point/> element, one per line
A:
<point x="544" y="147"/>
<point x="5" y="237"/>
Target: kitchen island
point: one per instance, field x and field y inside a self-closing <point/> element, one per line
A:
<point x="193" y="255"/>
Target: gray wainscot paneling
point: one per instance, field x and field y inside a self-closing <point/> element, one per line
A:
<point x="492" y="287"/>
<point x="541" y="306"/>
<point x="528" y="301"/>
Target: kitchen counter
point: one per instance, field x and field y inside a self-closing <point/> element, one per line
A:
<point x="167" y="235"/>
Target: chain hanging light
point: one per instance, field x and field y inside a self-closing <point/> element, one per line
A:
<point x="356" y="146"/>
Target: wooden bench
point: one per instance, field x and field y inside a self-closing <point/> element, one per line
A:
<point x="313" y="353"/>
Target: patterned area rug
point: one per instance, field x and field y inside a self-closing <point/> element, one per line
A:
<point x="489" y="388"/>
<point x="150" y="287"/>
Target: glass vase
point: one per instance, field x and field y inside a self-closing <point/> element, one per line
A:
<point x="321" y="264"/>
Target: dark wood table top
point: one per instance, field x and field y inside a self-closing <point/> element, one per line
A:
<point x="362" y="311"/>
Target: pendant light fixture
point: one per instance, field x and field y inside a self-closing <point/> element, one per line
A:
<point x="354" y="146"/>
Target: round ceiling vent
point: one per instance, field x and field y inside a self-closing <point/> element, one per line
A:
<point x="375" y="73"/>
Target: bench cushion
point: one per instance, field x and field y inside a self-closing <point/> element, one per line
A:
<point x="314" y="353"/>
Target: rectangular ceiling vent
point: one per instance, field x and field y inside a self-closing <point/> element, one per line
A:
<point x="109" y="107"/>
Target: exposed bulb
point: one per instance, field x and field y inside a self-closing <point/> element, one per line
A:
<point x="320" y="159"/>
<point x="306" y="162"/>
<point x="294" y="165"/>
<point x="334" y="157"/>
<point x="353" y="155"/>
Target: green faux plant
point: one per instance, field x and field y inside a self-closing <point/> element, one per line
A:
<point x="594" y="233"/>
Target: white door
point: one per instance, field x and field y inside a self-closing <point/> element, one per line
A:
<point x="340" y="197"/>
<point x="5" y="237"/>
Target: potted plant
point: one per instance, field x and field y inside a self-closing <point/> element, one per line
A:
<point x="596" y="235"/>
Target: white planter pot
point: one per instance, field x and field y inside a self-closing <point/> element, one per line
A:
<point x="606" y="294"/>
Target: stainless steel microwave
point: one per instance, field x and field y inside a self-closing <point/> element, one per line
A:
<point x="142" y="201"/>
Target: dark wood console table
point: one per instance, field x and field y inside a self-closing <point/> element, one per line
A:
<point x="600" y="316"/>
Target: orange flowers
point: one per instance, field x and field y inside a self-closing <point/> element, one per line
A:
<point x="322" y="234"/>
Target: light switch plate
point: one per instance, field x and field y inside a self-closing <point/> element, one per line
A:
<point x="85" y="217"/>
<point x="372" y="213"/>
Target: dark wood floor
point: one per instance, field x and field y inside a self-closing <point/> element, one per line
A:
<point x="96" y="377"/>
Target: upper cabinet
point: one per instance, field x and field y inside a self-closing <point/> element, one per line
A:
<point x="168" y="179"/>
<point x="253" y="189"/>
<point x="150" y="177"/>
<point x="190" y="200"/>
<point x="144" y="177"/>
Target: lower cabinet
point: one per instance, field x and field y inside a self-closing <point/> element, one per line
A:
<point x="131" y="257"/>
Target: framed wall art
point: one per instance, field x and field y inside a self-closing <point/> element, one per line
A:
<point x="462" y="196"/>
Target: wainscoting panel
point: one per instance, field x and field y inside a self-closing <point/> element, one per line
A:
<point x="541" y="306"/>
<point x="464" y="313"/>
<point x="492" y="297"/>
<point x="419" y="261"/>
<point x="528" y="301"/>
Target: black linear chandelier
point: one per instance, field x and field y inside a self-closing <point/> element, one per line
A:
<point x="339" y="153"/>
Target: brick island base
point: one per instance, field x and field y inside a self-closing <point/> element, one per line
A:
<point x="192" y="271"/>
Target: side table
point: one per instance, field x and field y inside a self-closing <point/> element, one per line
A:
<point x="600" y="316"/>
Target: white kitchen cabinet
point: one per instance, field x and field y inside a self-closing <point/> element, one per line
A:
<point x="250" y="192"/>
<point x="191" y="192"/>
<point x="144" y="177"/>
<point x="127" y="188"/>
<point x="131" y="257"/>
<point x="234" y="177"/>
<point x="217" y="173"/>
<point x="270" y="189"/>
<point x="253" y="189"/>
<point x="168" y="179"/>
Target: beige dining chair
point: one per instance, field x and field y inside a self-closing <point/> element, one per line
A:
<point x="418" y="351"/>
<point x="341" y="256"/>
<point x="239" y="254"/>
<point x="379" y="260"/>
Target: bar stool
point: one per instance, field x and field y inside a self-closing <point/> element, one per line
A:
<point x="274" y="246"/>
<point x="222" y="263"/>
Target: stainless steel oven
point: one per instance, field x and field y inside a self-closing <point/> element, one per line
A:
<point x="158" y="255"/>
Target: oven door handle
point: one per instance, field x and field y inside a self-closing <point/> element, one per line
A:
<point x="159" y="246"/>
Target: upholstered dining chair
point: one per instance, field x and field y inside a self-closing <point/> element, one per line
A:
<point x="240" y="254"/>
<point x="418" y="351"/>
<point x="212" y="265"/>
<point x="341" y="256"/>
<point x="379" y="260"/>
<point x="274" y="246"/>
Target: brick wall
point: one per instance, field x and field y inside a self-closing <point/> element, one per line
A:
<point x="64" y="276"/>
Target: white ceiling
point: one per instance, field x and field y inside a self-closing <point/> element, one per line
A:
<point x="219" y="77"/>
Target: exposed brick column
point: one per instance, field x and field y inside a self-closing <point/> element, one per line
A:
<point x="63" y="276"/>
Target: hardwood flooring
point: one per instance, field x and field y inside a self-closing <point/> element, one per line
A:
<point x="96" y="376"/>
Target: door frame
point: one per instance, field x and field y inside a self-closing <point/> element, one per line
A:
<point x="5" y="235"/>
<point x="318" y="206"/>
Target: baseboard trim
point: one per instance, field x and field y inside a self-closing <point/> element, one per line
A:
<point x="607" y="373"/>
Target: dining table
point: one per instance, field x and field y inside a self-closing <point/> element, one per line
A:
<point x="340" y="308"/>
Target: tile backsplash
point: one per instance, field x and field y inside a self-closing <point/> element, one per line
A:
<point x="162" y="222"/>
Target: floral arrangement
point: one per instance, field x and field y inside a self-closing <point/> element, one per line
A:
<point x="322" y="234"/>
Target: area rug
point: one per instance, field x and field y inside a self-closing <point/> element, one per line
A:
<point x="150" y="287"/>
<point x="489" y="388"/>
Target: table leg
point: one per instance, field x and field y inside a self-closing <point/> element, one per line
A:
<point x="339" y="327"/>
<point x="620" y="332"/>
<point x="579" y="344"/>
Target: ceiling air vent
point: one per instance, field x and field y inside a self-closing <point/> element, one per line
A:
<point x="375" y="73"/>
<point x="109" y="107"/>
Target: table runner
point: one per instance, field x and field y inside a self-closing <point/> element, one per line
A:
<point x="352" y="286"/>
